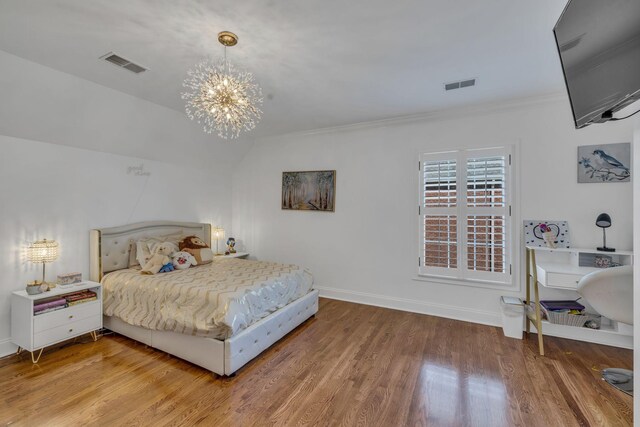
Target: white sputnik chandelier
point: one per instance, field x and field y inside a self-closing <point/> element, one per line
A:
<point x="222" y="98"/>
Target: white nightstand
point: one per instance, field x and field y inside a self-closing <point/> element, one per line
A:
<point x="35" y="332"/>
<point x="236" y="255"/>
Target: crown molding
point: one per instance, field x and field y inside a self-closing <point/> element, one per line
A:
<point x="444" y="114"/>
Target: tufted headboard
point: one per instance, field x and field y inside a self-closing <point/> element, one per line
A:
<point x="109" y="247"/>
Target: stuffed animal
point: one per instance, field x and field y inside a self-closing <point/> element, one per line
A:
<point x="183" y="260"/>
<point x="167" y="268"/>
<point x="160" y="257"/>
<point x="231" y="245"/>
<point x="198" y="248"/>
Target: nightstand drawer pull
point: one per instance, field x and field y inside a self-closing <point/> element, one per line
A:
<point x="71" y="316"/>
<point x="71" y="330"/>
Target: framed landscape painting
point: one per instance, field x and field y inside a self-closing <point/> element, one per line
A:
<point x="309" y="191"/>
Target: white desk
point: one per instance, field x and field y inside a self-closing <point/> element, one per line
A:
<point x="561" y="268"/>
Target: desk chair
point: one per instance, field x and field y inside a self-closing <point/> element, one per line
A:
<point x="610" y="293"/>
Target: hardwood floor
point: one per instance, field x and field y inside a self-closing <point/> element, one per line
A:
<point x="351" y="365"/>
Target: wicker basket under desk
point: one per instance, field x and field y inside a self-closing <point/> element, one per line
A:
<point x="577" y="320"/>
<point x="568" y="319"/>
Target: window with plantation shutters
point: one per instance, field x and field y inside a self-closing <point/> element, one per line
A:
<point x="465" y="215"/>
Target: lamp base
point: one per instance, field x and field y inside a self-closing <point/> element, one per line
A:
<point x="606" y="249"/>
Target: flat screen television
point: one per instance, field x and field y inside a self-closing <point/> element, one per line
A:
<point x="599" y="46"/>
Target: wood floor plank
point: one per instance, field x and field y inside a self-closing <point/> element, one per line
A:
<point x="351" y="365"/>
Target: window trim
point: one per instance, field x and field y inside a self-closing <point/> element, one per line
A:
<point x="461" y="274"/>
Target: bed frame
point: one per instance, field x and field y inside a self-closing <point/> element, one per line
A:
<point x="109" y="251"/>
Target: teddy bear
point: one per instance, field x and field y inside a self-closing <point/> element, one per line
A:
<point x="183" y="260"/>
<point x="198" y="248"/>
<point x="159" y="258"/>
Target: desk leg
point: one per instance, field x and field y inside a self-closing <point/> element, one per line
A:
<point x="538" y="319"/>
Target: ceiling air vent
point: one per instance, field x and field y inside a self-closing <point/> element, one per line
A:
<point x="460" y="84"/>
<point x="123" y="63"/>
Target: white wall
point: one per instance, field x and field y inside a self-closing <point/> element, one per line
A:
<point x="367" y="250"/>
<point x="65" y="148"/>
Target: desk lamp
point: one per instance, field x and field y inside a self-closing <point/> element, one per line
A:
<point x="604" y="221"/>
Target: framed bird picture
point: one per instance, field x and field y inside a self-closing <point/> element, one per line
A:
<point x="604" y="163"/>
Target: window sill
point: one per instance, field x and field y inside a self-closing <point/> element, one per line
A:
<point x="464" y="282"/>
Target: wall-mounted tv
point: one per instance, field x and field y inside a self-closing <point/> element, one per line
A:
<point x="599" y="46"/>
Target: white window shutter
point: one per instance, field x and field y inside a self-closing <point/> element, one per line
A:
<point x="465" y="226"/>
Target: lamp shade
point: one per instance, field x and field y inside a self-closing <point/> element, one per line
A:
<point x="43" y="251"/>
<point x="603" y="220"/>
<point x="217" y="233"/>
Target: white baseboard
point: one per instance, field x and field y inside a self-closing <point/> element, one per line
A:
<point x="439" y="310"/>
<point x="7" y="347"/>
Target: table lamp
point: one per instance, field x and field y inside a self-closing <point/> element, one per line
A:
<point x="217" y="234"/>
<point x="43" y="251"/>
<point x="604" y="221"/>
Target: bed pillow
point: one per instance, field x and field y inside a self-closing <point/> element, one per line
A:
<point x="133" y="260"/>
<point x="145" y="246"/>
<point x="198" y="248"/>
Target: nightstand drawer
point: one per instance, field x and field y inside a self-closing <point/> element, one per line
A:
<point x="66" y="316"/>
<point x="561" y="280"/>
<point x="70" y="330"/>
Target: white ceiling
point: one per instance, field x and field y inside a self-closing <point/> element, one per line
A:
<point x="321" y="63"/>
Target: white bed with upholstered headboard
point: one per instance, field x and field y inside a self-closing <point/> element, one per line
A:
<point x="234" y="316"/>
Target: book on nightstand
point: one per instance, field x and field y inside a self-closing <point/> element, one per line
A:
<point x="49" y="304"/>
<point x="80" y="301"/>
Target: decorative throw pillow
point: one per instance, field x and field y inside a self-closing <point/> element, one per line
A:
<point x="198" y="248"/>
<point x="133" y="260"/>
<point x="142" y="252"/>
